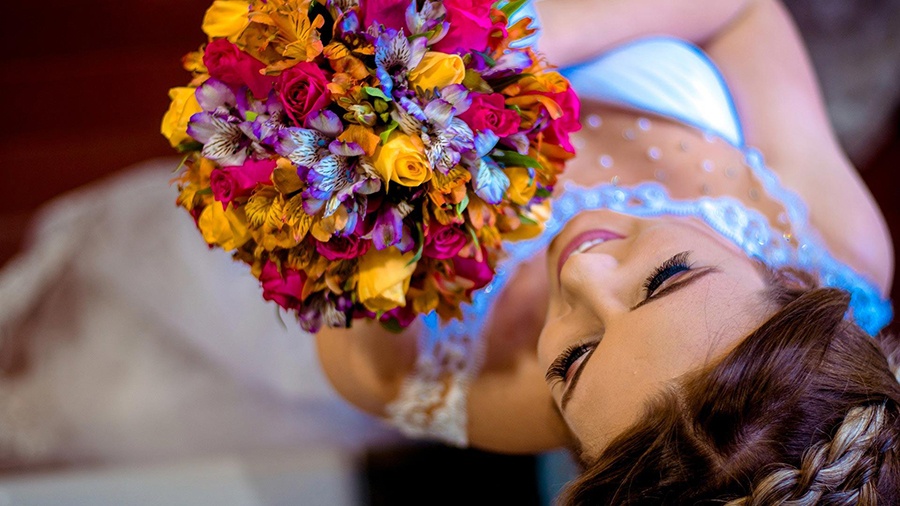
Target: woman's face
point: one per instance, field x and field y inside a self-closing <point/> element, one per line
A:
<point x="634" y="304"/>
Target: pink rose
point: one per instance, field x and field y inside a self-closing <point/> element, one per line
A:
<point x="229" y="183"/>
<point x="338" y="248"/>
<point x="557" y="132"/>
<point x="390" y="13"/>
<point x="443" y="241"/>
<point x="286" y="289"/>
<point x="234" y="67"/>
<point x="401" y="315"/>
<point x="302" y="89"/>
<point x="489" y="112"/>
<point x="479" y="273"/>
<point x="470" y="26"/>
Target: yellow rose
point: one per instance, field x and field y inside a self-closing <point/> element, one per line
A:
<point x="227" y="229"/>
<point x="401" y="159"/>
<point x="175" y="122"/>
<point x="521" y="185"/>
<point x="384" y="278"/>
<point x="226" y="18"/>
<point x="438" y="70"/>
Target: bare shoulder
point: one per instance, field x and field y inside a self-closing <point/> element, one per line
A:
<point x="776" y="90"/>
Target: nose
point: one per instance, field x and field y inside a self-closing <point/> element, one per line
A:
<point x="592" y="276"/>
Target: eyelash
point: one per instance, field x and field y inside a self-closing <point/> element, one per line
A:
<point x="560" y="366"/>
<point x="676" y="264"/>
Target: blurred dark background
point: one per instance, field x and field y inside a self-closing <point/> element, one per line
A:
<point x="84" y="86"/>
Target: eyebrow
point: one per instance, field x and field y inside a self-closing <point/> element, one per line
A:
<point x="700" y="273"/>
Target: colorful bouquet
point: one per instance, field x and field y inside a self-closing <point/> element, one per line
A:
<point x="368" y="159"/>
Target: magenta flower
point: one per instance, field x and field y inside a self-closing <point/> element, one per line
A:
<point x="489" y="112"/>
<point x="303" y="90"/>
<point x="390" y="13"/>
<point x="229" y="183"/>
<point x="470" y="26"/>
<point x="443" y="241"/>
<point x="232" y="66"/>
<point x="339" y="248"/>
<point x="286" y="290"/>
<point x="479" y="273"/>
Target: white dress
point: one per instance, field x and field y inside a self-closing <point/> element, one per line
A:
<point x="143" y="345"/>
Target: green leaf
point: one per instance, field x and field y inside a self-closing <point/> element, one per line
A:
<point x="188" y="146"/>
<point x="474" y="82"/>
<point x="205" y="191"/>
<point x="377" y="93"/>
<point x="503" y="82"/>
<point x="421" y="241"/>
<point x="462" y="205"/>
<point x="387" y="131"/>
<point x="512" y="7"/>
<point x="184" y="159"/>
<point x="391" y="325"/>
<point x="514" y="159"/>
<point x="526" y="220"/>
<point x="474" y="237"/>
<point x="279" y="318"/>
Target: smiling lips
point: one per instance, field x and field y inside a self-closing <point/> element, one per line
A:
<point x="583" y="242"/>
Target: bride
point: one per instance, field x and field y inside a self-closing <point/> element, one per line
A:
<point x="710" y="237"/>
<point x="708" y="200"/>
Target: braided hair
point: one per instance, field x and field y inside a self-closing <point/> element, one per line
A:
<point x="804" y="411"/>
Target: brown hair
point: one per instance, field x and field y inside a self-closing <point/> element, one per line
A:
<point x="805" y="409"/>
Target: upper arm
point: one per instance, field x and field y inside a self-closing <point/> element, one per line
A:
<point x="508" y="406"/>
<point x="777" y="95"/>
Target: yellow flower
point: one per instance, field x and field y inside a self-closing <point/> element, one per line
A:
<point x="226" y="18"/>
<point x="227" y="229"/>
<point x="384" y="278"/>
<point x="438" y="70"/>
<point x="401" y="159"/>
<point x="175" y="122"/>
<point x="521" y="185"/>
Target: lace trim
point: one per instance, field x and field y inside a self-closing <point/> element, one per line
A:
<point x="433" y="400"/>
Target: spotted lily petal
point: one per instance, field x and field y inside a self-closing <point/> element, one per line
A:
<point x="439" y="112"/>
<point x="325" y="122"/>
<point x="513" y="62"/>
<point x="388" y="228"/>
<point x="458" y="96"/>
<point x="304" y="147"/>
<point x="485" y="142"/>
<point x="489" y="181"/>
<point x="213" y="95"/>
<point x="341" y="148"/>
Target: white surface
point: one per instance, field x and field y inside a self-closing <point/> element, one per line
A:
<point x="323" y="478"/>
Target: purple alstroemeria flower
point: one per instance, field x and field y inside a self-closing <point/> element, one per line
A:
<point x="445" y="136"/>
<point x="388" y="229"/>
<point x="395" y="56"/>
<point x="488" y="179"/>
<point x="511" y="63"/>
<point x="262" y="120"/>
<point x="218" y="126"/>
<point x="329" y="166"/>
<point x="428" y="21"/>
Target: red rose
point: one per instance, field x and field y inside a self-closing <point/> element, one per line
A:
<point x="477" y="272"/>
<point x="286" y="289"/>
<point x="443" y="241"/>
<point x="302" y="89"/>
<point x="390" y="13"/>
<point x="234" y="67"/>
<point x="470" y="26"/>
<point x="338" y="248"/>
<point x="489" y="112"/>
<point x="557" y="132"/>
<point x="229" y="183"/>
